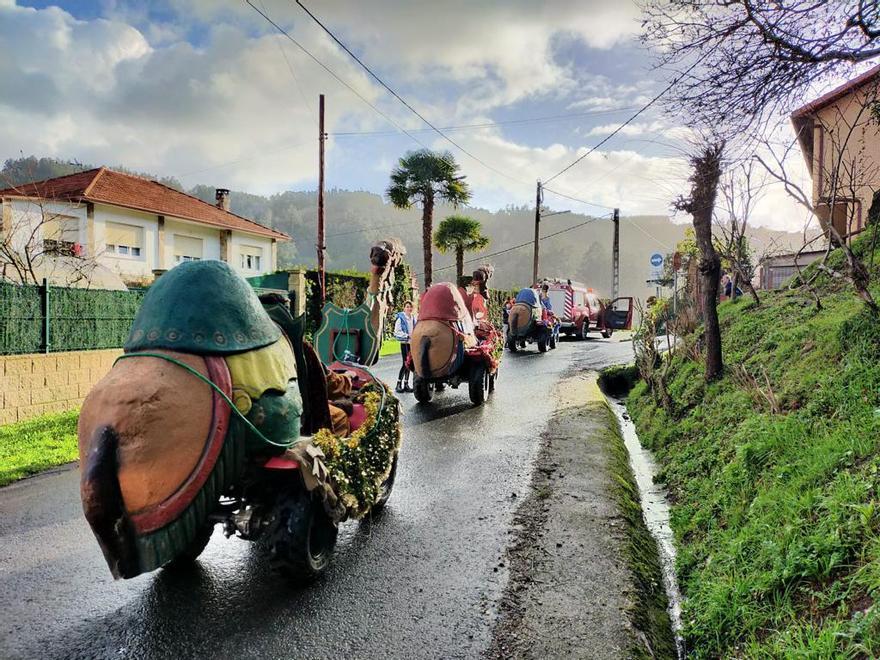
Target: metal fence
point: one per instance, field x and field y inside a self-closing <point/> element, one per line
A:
<point x="43" y="319"/>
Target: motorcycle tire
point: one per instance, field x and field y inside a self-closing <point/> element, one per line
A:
<point x="511" y="345"/>
<point x="607" y="333"/>
<point x="386" y="487"/>
<point x="303" y="537"/>
<point x="542" y="346"/>
<point x="421" y="390"/>
<point x="193" y="550"/>
<point x="476" y="381"/>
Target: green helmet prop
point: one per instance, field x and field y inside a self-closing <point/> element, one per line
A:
<point x="201" y="307"/>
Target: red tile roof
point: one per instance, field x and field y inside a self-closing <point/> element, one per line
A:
<point x="105" y="186"/>
<point x="837" y="93"/>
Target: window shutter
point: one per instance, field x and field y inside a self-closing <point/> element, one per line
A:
<point x="187" y="246"/>
<point x="128" y="235"/>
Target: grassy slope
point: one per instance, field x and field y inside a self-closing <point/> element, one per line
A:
<point x="776" y="515"/>
<point x="36" y="445"/>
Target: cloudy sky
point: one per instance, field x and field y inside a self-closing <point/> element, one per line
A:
<point x="210" y="92"/>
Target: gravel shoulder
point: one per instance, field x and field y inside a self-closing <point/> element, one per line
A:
<point x="584" y="577"/>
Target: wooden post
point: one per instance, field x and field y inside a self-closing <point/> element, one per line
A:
<point x="615" y="257"/>
<point x="538" y="200"/>
<point x="321" y="246"/>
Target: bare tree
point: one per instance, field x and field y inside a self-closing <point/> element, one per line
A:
<point x="744" y="60"/>
<point x="740" y="190"/>
<point x="700" y="204"/>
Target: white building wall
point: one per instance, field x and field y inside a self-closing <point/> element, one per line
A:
<point x="210" y="238"/>
<point x="25" y="216"/>
<point x="127" y="267"/>
<point x="240" y="240"/>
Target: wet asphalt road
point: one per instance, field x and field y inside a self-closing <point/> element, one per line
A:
<point x="420" y="581"/>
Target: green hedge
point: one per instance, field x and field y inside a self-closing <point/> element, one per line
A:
<point x="78" y="319"/>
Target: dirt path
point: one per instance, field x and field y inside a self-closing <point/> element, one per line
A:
<point x="584" y="577"/>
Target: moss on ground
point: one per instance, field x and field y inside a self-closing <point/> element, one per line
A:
<point x="36" y="445"/>
<point x="650" y="613"/>
<point x="774" y="473"/>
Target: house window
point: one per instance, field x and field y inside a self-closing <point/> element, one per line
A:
<point x="124" y="240"/>
<point x="187" y="248"/>
<point x="60" y="235"/>
<point x="251" y="258"/>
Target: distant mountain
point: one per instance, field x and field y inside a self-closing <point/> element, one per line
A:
<point x="356" y="219"/>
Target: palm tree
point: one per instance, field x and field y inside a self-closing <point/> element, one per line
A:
<point x="424" y="176"/>
<point x="462" y="234"/>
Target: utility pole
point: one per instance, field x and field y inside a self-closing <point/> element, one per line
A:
<point x="615" y="257"/>
<point x="321" y="247"/>
<point x="539" y="198"/>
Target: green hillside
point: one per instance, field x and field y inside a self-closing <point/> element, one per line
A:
<point x="774" y="474"/>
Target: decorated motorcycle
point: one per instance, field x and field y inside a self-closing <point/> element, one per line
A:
<point x="528" y="322"/>
<point x="454" y="342"/>
<point x="219" y="412"/>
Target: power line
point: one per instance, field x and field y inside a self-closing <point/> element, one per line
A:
<point x="489" y="124"/>
<point x="626" y="123"/>
<point x="574" y="199"/>
<point x="522" y="245"/>
<point x="292" y="72"/>
<point x="358" y="231"/>
<point x="333" y="73"/>
<point x="401" y="99"/>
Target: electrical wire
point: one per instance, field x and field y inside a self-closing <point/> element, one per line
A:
<point x="412" y="223"/>
<point x="626" y="123"/>
<point x="574" y="199"/>
<point x="333" y="73"/>
<point x="490" y="124"/>
<point x="522" y="245"/>
<point x="401" y="99"/>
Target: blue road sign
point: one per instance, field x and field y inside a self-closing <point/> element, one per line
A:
<point x="656" y="260"/>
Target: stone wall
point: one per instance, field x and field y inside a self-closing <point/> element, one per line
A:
<point x="31" y="385"/>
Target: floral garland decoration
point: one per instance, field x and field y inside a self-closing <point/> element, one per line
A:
<point x="359" y="463"/>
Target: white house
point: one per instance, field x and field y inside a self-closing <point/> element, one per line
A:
<point x="131" y="226"/>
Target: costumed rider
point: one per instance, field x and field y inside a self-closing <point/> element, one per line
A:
<point x="404" y="322"/>
<point x="547" y="310"/>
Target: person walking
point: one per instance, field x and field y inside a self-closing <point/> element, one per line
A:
<point x="505" y="318"/>
<point x="404" y="323"/>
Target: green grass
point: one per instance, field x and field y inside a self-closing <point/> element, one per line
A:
<point x="389" y="347"/>
<point x="776" y="513"/>
<point x="36" y="445"/>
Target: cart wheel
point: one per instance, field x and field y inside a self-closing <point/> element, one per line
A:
<point x="385" y="487"/>
<point x="511" y="344"/>
<point x="607" y="333"/>
<point x="492" y="378"/>
<point x="476" y="384"/>
<point x="542" y="345"/>
<point x="421" y="389"/>
<point x="302" y="537"/>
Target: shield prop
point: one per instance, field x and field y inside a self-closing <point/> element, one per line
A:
<point x="347" y="335"/>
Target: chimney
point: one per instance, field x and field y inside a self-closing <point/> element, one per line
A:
<point x="222" y="197"/>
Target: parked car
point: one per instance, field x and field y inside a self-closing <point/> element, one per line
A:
<point x="581" y="311"/>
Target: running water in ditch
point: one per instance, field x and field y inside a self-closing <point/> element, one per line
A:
<point x="655" y="509"/>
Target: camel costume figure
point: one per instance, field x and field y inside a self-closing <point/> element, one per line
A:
<point x="217" y="395"/>
<point x="454" y="340"/>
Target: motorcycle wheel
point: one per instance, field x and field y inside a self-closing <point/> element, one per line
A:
<point x="607" y="333"/>
<point x="386" y="487"/>
<point x="303" y="537"/>
<point x="511" y="345"/>
<point x="475" y="384"/>
<point x="542" y="346"/>
<point x="421" y="390"/>
<point x="193" y="550"/>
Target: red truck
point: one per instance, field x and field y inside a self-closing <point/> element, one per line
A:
<point x="581" y="311"/>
